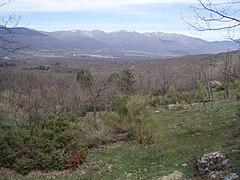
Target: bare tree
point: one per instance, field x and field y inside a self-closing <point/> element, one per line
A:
<point x="94" y="85"/>
<point x="225" y="71"/>
<point x="216" y="15"/>
<point x="212" y="15"/>
<point x="166" y="77"/>
<point x="8" y="42"/>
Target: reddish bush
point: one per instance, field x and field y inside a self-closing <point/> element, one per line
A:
<point x="76" y="159"/>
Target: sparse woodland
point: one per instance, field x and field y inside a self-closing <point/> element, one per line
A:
<point x="49" y="119"/>
<point x="56" y="116"/>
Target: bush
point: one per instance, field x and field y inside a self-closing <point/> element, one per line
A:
<point x="172" y="95"/>
<point x="24" y="165"/>
<point x="187" y="97"/>
<point x="113" y="121"/>
<point x="119" y="105"/>
<point x="191" y="124"/>
<point x="200" y="94"/>
<point x="25" y="148"/>
<point x="156" y="102"/>
<point x="140" y="122"/>
<point x="132" y="115"/>
<point x="77" y="159"/>
<point x="53" y="160"/>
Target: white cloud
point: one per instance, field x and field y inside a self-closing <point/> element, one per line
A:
<point x="76" y="5"/>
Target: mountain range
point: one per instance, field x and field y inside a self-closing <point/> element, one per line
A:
<point x="122" y="43"/>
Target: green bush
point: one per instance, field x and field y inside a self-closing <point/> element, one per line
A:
<point x="113" y="121"/>
<point x="119" y="105"/>
<point x="24" y="165"/>
<point x="53" y="160"/>
<point x="41" y="146"/>
<point x="156" y="102"/>
<point x="132" y="115"/>
<point x="200" y="94"/>
<point x="186" y="97"/>
<point x="172" y="95"/>
<point x="140" y="122"/>
<point x="116" y="123"/>
<point x="90" y="134"/>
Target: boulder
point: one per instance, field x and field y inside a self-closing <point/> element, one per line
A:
<point x="215" y="165"/>
<point x="214" y="84"/>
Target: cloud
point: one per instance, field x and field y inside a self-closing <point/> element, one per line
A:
<point x="77" y="5"/>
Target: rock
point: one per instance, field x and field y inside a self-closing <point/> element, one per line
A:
<point x="171" y="106"/>
<point x="213" y="165"/>
<point x="157" y="111"/>
<point x="231" y="176"/>
<point x="214" y="84"/>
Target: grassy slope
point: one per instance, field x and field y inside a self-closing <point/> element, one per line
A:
<point x="175" y="147"/>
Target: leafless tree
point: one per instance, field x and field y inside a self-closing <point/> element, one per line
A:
<point x="8" y="42"/>
<point x="225" y="71"/>
<point x="94" y="85"/>
<point x="166" y="77"/>
<point x="213" y="15"/>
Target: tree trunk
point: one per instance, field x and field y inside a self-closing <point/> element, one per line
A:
<point x="204" y="105"/>
<point x="226" y="93"/>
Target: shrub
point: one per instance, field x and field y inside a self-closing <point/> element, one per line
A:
<point x="8" y="149"/>
<point x="76" y="159"/>
<point x="191" y="124"/>
<point x="24" y="165"/>
<point x="25" y="148"/>
<point x="201" y="94"/>
<point x="132" y="115"/>
<point x="113" y="121"/>
<point x="172" y="95"/>
<point x="53" y="160"/>
<point x="97" y="138"/>
<point x="156" y="102"/>
<point x="119" y="105"/>
<point x="187" y="97"/>
<point x="140" y="121"/>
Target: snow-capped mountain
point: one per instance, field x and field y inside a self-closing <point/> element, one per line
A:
<point x="119" y="43"/>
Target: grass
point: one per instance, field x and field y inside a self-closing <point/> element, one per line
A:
<point x="174" y="150"/>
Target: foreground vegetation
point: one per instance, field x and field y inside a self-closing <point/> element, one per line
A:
<point x="181" y="135"/>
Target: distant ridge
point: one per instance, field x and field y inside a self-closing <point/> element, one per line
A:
<point x="122" y="44"/>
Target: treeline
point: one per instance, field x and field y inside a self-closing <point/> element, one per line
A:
<point x="34" y="95"/>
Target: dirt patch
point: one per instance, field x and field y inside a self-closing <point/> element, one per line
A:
<point x="176" y="175"/>
<point x="108" y="146"/>
<point x="9" y="174"/>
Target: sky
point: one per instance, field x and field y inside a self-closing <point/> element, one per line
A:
<point x="108" y="15"/>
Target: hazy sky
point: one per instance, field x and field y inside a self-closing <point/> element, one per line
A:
<point x="108" y="15"/>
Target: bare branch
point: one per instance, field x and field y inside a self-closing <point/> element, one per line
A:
<point x="8" y="42"/>
<point x="211" y="16"/>
<point x="3" y="4"/>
